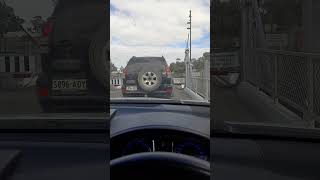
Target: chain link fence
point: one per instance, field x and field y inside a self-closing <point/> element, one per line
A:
<point x="290" y="78"/>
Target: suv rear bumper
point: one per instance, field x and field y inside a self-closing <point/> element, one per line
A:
<point x="67" y="103"/>
<point x="94" y="98"/>
<point x="167" y="91"/>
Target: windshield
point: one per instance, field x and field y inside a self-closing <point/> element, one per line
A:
<point x="265" y="72"/>
<point x="53" y="58"/>
<point x="160" y="49"/>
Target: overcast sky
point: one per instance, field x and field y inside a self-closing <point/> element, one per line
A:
<point x="157" y="28"/>
<point x="27" y="9"/>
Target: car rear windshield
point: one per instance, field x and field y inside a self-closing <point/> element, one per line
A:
<point x="33" y="78"/>
<point x="147" y="60"/>
<point x="139" y="61"/>
<point x="70" y="23"/>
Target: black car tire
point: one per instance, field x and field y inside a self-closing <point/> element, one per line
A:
<point x="99" y="56"/>
<point x="151" y="84"/>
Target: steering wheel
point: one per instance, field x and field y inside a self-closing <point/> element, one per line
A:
<point x="159" y="165"/>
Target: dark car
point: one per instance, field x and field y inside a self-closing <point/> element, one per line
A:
<point x="75" y="69"/>
<point x="149" y="76"/>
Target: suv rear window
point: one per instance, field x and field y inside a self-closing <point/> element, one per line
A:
<point x="138" y="61"/>
<point x="72" y="24"/>
<point x="147" y="60"/>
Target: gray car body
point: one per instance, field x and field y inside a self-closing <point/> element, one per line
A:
<point x="136" y="65"/>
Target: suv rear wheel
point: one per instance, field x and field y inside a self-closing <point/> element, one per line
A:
<point x="149" y="79"/>
<point x="99" y="56"/>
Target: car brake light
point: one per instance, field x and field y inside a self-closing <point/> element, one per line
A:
<point x="47" y="29"/>
<point x="169" y="90"/>
<point x="43" y="92"/>
<point x="123" y="90"/>
<point x="125" y="71"/>
<point x="167" y="71"/>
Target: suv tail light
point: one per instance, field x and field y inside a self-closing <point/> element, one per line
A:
<point x="125" y="71"/>
<point x="167" y="71"/>
<point x="43" y="92"/>
<point x="168" y="90"/>
<point x="47" y="29"/>
<point x="123" y="89"/>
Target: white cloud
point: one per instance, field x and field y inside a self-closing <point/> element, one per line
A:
<point x="120" y="54"/>
<point x="149" y="27"/>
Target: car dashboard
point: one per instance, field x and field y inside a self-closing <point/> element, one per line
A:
<point x="160" y="140"/>
<point x="159" y="127"/>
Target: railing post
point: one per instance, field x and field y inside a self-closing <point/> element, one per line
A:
<point x="196" y="87"/>
<point x="275" y="90"/>
<point x="208" y="80"/>
<point x="310" y="92"/>
<point x="311" y="81"/>
<point x="245" y="54"/>
<point x="255" y="60"/>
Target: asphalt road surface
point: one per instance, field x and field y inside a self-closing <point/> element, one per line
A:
<point x="178" y="94"/>
<point x="229" y="107"/>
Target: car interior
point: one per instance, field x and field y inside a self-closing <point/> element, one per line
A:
<point x="60" y="148"/>
<point x="156" y="138"/>
<point x="252" y="157"/>
<point x="159" y="140"/>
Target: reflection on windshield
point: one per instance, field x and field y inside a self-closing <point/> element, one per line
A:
<point x="268" y="73"/>
<point x="166" y="63"/>
<point x="52" y="56"/>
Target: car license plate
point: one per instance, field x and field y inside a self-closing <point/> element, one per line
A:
<point x="70" y="84"/>
<point x="131" y="88"/>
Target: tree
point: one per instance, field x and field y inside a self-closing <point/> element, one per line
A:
<point x="198" y="64"/>
<point x="37" y="23"/>
<point x="113" y="67"/>
<point x="227" y="20"/>
<point x="178" y="68"/>
<point x="9" y="22"/>
<point x="15" y="24"/>
<point x="284" y="12"/>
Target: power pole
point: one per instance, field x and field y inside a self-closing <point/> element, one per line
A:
<point x="188" y="62"/>
<point x="190" y="33"/>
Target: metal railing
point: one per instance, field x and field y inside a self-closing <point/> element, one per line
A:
<point x="290" y="78"/>
<point x="200" y="83"/>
